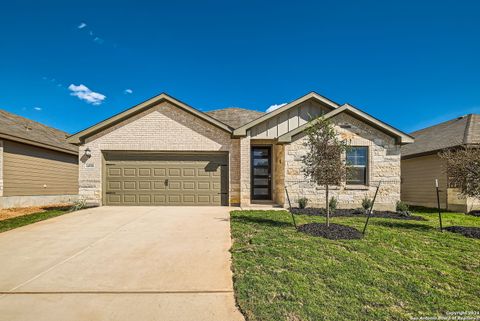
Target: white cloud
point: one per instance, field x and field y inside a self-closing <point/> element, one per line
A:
<point x="273" y="107"/>
<point x="98" y="40"/>
<point x="82" y="25"/>
<point x="128" y="91"/>
<point x="84" y="93"/>
<point x="37" y="108"/>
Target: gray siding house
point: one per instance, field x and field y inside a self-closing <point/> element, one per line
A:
<point x="37" y="165"/>
<point x="421" y="164"/>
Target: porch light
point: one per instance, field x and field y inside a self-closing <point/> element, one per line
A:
<point x="88" y="153"/>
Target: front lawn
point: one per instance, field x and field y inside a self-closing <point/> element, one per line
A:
<point x="19" y="221"/>
<point x="400" y="270"/>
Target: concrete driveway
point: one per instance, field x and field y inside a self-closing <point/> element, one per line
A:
<point x="120" y="263"/>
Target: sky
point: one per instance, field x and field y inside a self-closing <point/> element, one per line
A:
<point x="72" y="64"/>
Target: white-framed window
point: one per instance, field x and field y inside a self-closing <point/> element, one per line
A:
<point x="357" y="163"/>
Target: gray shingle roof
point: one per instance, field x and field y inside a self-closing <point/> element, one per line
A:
<point x="235" y="117"/>
<point x="459" y="131"/>
<point x="15" y="126"/>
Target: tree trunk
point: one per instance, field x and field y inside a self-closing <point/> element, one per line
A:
<point x="327" y="207"/>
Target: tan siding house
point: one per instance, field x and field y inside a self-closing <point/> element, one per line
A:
<point x="421" y="164"/>
<point x="38" y="166"/>
<point x="164" y="152"/>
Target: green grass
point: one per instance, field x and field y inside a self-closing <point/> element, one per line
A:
<point x="401" y="269"/>
<point x="23" y="220"/>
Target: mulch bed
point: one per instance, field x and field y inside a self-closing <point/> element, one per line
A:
<point x="332" y="232"/>
<point x="465" y="231"/>
<point x="355" y="213"/>
<point x="474" y="213"/>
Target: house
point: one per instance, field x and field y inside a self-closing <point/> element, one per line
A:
<point x="37" y="164"/>
<point x="421" y="164"/>
<point x="164" y="152"/>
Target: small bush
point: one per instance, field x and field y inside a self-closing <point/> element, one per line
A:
<point x="402" y="208"/>
<point x="78" y="205"/>
<point x="332" y="204"/>
<point x="367" y="203"/>
<point x="302" y="202"/>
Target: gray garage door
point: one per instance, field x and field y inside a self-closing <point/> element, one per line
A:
<point x="166" y="179"/>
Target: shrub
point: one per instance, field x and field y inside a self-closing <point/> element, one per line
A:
<point x="367" y="203"/>
<point x="332" y="205"/>
<point x="302" y="202"/>
<point x="402" y="208"/>
<point x="78" y="205"/>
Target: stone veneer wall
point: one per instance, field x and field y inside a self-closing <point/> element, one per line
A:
<point x="161" y="128"/>
<point x="384" y="165"/>
<point x="245" y="150"/>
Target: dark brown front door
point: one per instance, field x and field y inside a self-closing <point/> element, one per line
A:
<point x="261" y="173"/>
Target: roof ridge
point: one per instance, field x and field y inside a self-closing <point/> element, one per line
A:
<point x="443" y="122"/>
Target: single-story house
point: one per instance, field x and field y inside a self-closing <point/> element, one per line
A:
<point x="164" y="152"/>
<point x="37" y="164"/>
<point x="421" y="164"/>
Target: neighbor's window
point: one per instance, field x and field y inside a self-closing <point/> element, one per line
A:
<point x="357" y="160"/>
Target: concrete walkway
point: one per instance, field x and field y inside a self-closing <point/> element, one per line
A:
<point x="120" y="263"/>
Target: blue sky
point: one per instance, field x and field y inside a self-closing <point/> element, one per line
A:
<point x="409" y="63"/>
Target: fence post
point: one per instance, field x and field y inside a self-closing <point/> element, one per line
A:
<point x="438" y="204"/>
<point x="371" y="209"/>
<point x="290" y="208"/>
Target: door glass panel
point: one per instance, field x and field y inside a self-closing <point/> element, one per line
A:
<point x="260" y="153"/>
<point x="260" y="171"/>
<point x="260" y="191"/>
<point x="260" y="162"/>
<point x="260" y="181"/>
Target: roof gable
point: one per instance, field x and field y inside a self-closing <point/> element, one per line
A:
<point x="78" y="137"/>
<point x="357" y="113"/>
<point x="241" y="131"/>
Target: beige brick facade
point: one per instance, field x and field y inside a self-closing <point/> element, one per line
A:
<point x="161" y="128"/>
<point x="168" y="128"/>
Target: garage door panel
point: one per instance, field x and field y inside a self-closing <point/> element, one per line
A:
<point x="145" y="198"/>
<point x="182" y="180"/>
<point x="114" y="185"/>
<point x="189" y="185"/>
<point x="159" y="185"/>
<point x="188" y="172"/>
<point x="129" y="185"/>
<point x="144" y="172"/>
<point x="144" y="185"/>
<point x="114" y="172"/>
<point x="162" y="172"/>
<point x="174" y="172"/>
<point x="129" y="198"/>
<point x="129" y="172"/>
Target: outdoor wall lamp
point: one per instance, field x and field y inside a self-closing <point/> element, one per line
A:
<point x="88" y="153"/>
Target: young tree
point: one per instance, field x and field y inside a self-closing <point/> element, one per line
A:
<point x="323" y="164"/>
<point x="463" y="169"/>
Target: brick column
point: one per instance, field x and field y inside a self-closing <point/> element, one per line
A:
<point x="245" y="171"/>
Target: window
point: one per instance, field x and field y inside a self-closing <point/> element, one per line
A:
<point x="357" y="160"/>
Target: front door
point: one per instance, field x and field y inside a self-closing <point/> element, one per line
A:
<point x="261" y="173"/>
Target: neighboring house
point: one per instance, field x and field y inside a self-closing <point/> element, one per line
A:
<point x="421" y="164"/>
<point x="37" y="165"/>
<point x="164" y="152"/>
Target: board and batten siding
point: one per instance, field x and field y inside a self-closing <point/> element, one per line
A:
<point x="30" y="170"/>
<point x="288" y="120"/>
<point x="418" y="181"/>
